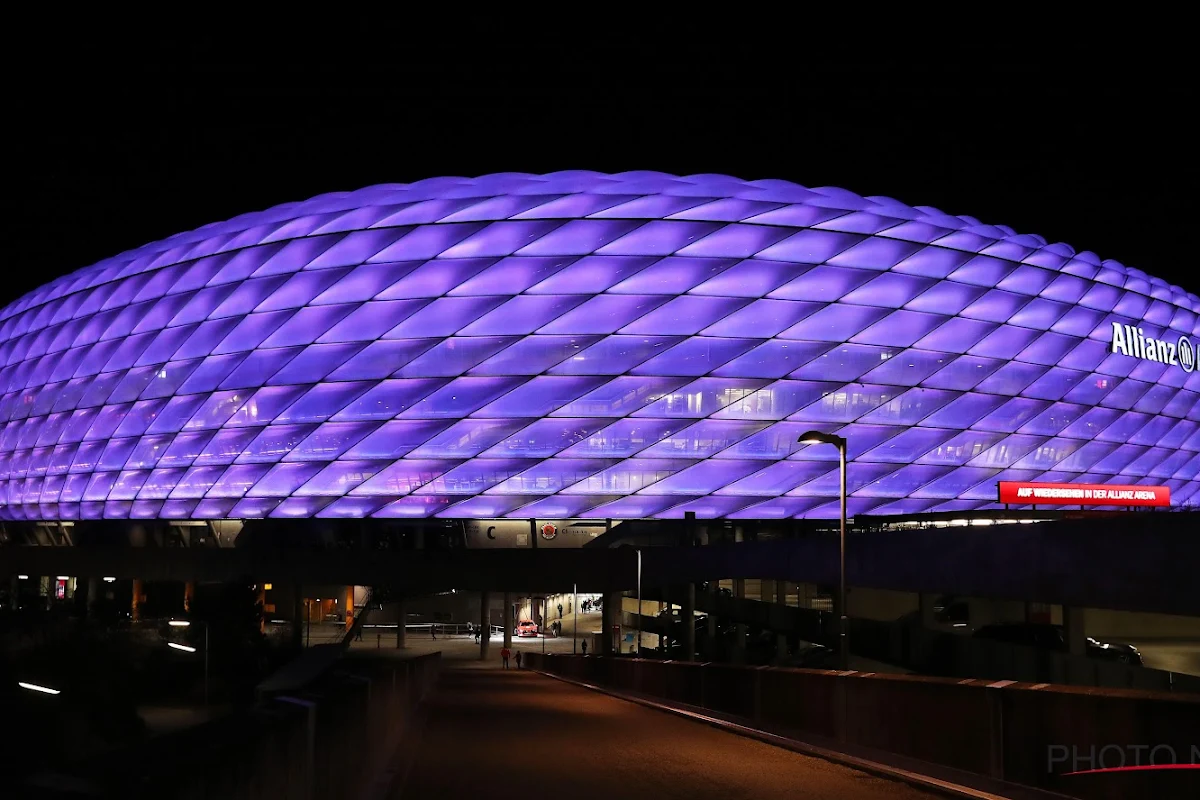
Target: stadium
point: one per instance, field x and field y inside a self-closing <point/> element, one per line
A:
<point x="585" y="345"/>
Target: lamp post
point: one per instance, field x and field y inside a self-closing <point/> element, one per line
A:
<point x="818" y="437"/>
<point x="184" y="623"/>
<point x="575" y="611"/>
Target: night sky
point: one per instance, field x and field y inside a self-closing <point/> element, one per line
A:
<point x="113" y="144"/>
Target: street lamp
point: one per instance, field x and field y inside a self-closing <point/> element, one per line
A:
<point x="184" y="623"/>
<point x="818" y="437"/>
<point x="33" y="687"/>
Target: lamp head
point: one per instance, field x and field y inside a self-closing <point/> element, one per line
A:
<point x="820" y="437"/>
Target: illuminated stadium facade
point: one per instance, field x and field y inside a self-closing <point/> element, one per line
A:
<point x="589" y="345"/>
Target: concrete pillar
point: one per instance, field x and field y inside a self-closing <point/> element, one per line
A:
<point x="509" y="623"/>
<point x="688" y="620"/>
<point x="401" y="623"/>
<point x="297" y="615"/>
<point x="739" y="641"/>
<point x="93" y="594"/>
<point x="349" y="607"/>
<point x="608" y="613"/>
<point x="135" y="605"/>
<point x="781" y="645"/>
<point x="189" y="592"/>
<point x="485" y="622"/>
<point x="1073" y="630"/>
<point x="710" y="653"/>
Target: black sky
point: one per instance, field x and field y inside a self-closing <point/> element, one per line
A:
<point x="116" y="143"/>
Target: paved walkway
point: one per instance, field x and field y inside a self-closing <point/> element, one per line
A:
<point x="504" y="735"/>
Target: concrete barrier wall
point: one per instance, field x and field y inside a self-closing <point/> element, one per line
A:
<point x="273" y="750"/>
<point x="1024" y="733"/>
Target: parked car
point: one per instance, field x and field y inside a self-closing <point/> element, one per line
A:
<point x="1051" y="637"/>
<point x="527" y="628"/>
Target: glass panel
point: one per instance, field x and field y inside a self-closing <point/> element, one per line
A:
<point x="351" y="508"/>
<point x="613" y="355"/>
<point x="750" y="278"/>
<point x="127" y="485"/>
<point x="159" y="484"/>
<point x="466" y="438"/>
<point x="706" y="507"/>
<point x="822" y="284"/>
<point x="283" y="480"/>
<point x="511" y="275"/>
<point x="540" y="396"/>
<point x="702" y="439"/>
<point x="275" y="442"/>
<point x="323" y="401"/>
<point x="459" y="398"/>
<point x="559" y="506"/>
<point x="604" y="314"/>
<point x="307" y="325"/>
<point x="762" y="319"/>
<point x="707" y="396"/>
<point x="956" y="483"/>
<point x="454" y="356"/>
<point x="945" y="298"/>
<point x="776" y="479"/>
<point x="330" y="440"/>
<point x="773" y="359"/>
<point x="265" y="405"/>
<point x="629" y="476"/>
<point x="364" y="282"/>
<point x="546" y="437"/>
<point x="535" y="354"/>
<point x="313" y="363"/>
<point x="684" y="315"/>
<point x="858" y="476"/>
<point x="300" y="289"/>
<point x="811" y="247"/>
<point x="672" y="275"/>
<point x="834" y="323"/>
<point x="444" y="317"/>
<point x="1053" y="419"/>
<point x="696" y="356"/>
<point x="964" y="411"/>
<point x="1048" y="454"/>
<point x="185" y="448"/>
<point x="373" y="319"/>
<point x="908" y="445"/>
<point x="901" y="328"/>
<point x="592" y="275"/>
<point x="147" y="451"/>
<point x="1007" y="452"/>
<point x="210" y="373"/>
<point x="703" y="478"/>
<point x="414" y="507"/>
<point x="893" y="290"/>
<point x="404" y="476"/>
<point x="435" y="278"/>
<point x="961" y="448"/>
<point x="1013" y="414"/>
<point x="908" y="368"/>
<point x="226" y="446"/>
<point x="657" y="238"/>
<point x="552" y="475"/>
<point x="620" y="396"/>
<point x="1124" y="427"/>
<point x="340" y="477"/>
<point x="1011" y="378"/>
<point x="394" y="439"/>
<point x="196" y="482"/>
<point x="484" y="507"/>
<point x="778" y="508"/>
<point x="258" y="367"/>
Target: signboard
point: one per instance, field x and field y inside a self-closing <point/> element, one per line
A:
<point x="516" y="533"/>
<point x="1129" y="340"/>
<point x="1082" y="494"/>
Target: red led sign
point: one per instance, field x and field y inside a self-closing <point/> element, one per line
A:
<point x="1082" y="494"/>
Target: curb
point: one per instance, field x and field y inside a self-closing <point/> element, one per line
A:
<point x="916" y="779"/>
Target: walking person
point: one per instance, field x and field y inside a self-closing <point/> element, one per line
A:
<point x="583" y="644"/>
<point x="518" y="659"/>
<point x="505" y="654"/>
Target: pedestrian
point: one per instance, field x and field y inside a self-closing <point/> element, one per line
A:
<point x="560" y="610"/>
<point x="505" y="654"/>
<point x="518" y="659"/>
<point x="583" y="644"/>
<point x="432" y="632"/>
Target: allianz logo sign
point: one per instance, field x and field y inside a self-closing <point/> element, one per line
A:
<point x="1130" y="341"/>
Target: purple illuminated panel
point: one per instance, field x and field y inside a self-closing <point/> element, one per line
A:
<point x="578" y="344"/>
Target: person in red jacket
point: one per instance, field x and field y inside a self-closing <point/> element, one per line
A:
<point x="505" y="655"/>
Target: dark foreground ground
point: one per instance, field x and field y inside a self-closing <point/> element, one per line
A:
<point x="497" y="735"/>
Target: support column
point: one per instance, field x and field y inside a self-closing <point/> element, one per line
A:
<point x="349" y="607"/>
<point x="1072" y="617"/>
<point x="189" y="592"/>
<point x="485" y="622"/>
<point x="401" y="623"/>
<point x="135" y="606"/>
<point x="739" y="640"/>
<point x="781" y="644"/>
<point x="688" y="620"/>
<point x="508" y="619"/>
<point x="93" y="594"/>
<point x="297" y="615"/>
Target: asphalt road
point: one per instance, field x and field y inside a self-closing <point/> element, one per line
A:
<point x="497" y="735"/>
